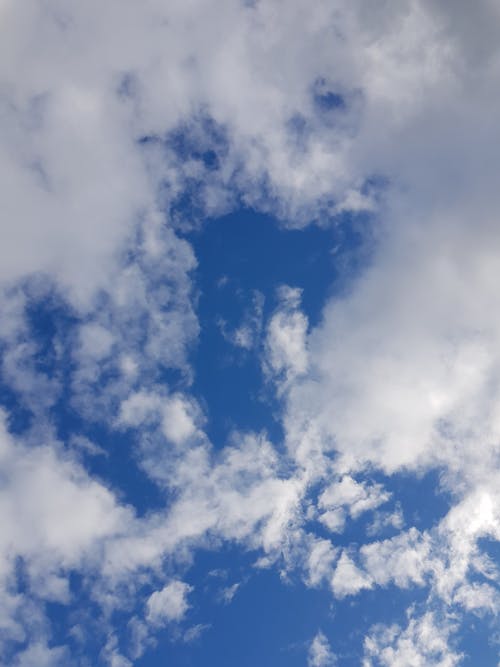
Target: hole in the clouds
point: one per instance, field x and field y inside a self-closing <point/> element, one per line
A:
<point x="423" y="500"/>
<point x="298" y="131"/>
<point x="19" y="417"/>
<point x="148" y="140"/>
<point x="21" y="574"/>
<point x="187" y="209"/>
<point x="127" y="86"/>
<point x="326" y="98"/>
<point x="48" y="318"/>
<point x="196" y="150"/>
<point x="238" y="255"/>
<point x="297" y="124"/>
<point x="329" y="100"/>
<point x="488" y="564"/>
<point x="202" y="140"/>
<point x="278" y="633"/>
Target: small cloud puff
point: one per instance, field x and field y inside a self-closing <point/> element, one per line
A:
<point x="320" y="653"/>
<point x="286" y="354"/>
<point x="169" y="604"/>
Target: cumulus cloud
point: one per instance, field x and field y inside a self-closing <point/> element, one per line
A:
<point x="320" y="653"/>
<point x="62" y="490"/>
<point x="286" y="353"/>
<point x="169" y="604"/>
<point x="355" y="497"/>
<point x="347" y="578"/>
<point x="40" y="655"/>
<point x="423" y="642"/>
<point x="125" y="125"/>
<point x="55" y="519"/>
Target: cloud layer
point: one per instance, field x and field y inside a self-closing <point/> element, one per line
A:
<point x="125" y="126"/>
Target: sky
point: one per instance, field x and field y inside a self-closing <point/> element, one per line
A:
<point x="249" y="333"/>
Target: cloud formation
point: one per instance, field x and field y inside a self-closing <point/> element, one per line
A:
<point x="125" y="126"/>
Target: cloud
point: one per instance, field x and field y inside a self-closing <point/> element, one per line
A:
<point x="194" y="633"/>
<point x="358" y="498"/>
<point x="320" y="558"/>
<point x="40" y="655"/>
<point x="169" y="604"/>
<point x="347" y="578"/>
<point x="423" y="642"/>
<point x="286" y="353"/>
<point x="124" y="126"/>
<point x="227" y="594"/>
<point x="404" y="559"/>
<point x="320" y="653"/>
<point x="63" y="490"/>
<point x="384" y="520"/>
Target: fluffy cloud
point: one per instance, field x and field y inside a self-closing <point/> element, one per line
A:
<point x="320" y="653"/>
<point x="55" y="519"/>
<point x="111" y="118"/>
<point x="423" y="642"/>
<point x="348" y="579"/>
<point x="169" y="604"/>
<point x="78" y="116"/>
<point x="286" y="353"/>
<point x="39" y="655"/>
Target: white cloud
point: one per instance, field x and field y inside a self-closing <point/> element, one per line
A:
<point x="404" y="559"/>
<point x="83" y="445"/>
<point x="178" y="421"/>
<point x="320" y="561"/>
<point x="40" y="655"/>
<point x="320" y="653"/>
<point x="111" y="654"/>
<point x="383" y="520"/>
<point x="95" y="341"/>
<point x="423" y="643"/>
<point x="227" y="594"/>
<point x="400" y="374"/>
<point x="51" y="508"/>
<point x="139" y="407"/>
<point x="348" y="579"/>
<point x="177" y="414"/>
<point x="55" y="520"/>
<point x="356" y="497"/>
<point x="169" y="604"/>
<point x="286" y="353"/>
<point x="479" y="598"/>
<point x="334" y="520"/>
<point x="193" y="633"/>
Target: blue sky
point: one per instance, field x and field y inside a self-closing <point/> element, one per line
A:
<point x="249" y="334"/>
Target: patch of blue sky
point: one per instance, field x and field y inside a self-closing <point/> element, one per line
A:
<point x="478" y="640"/>
<point x="423" y="499"/>
<point x="199" y="141"/>
<point x="246" y="253"/>
<point x="326" y="97"/>
<point x="271" y="620"/>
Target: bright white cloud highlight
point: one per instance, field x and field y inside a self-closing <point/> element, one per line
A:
<point x="320" y="653"/>
<point x="169" y="604"/>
